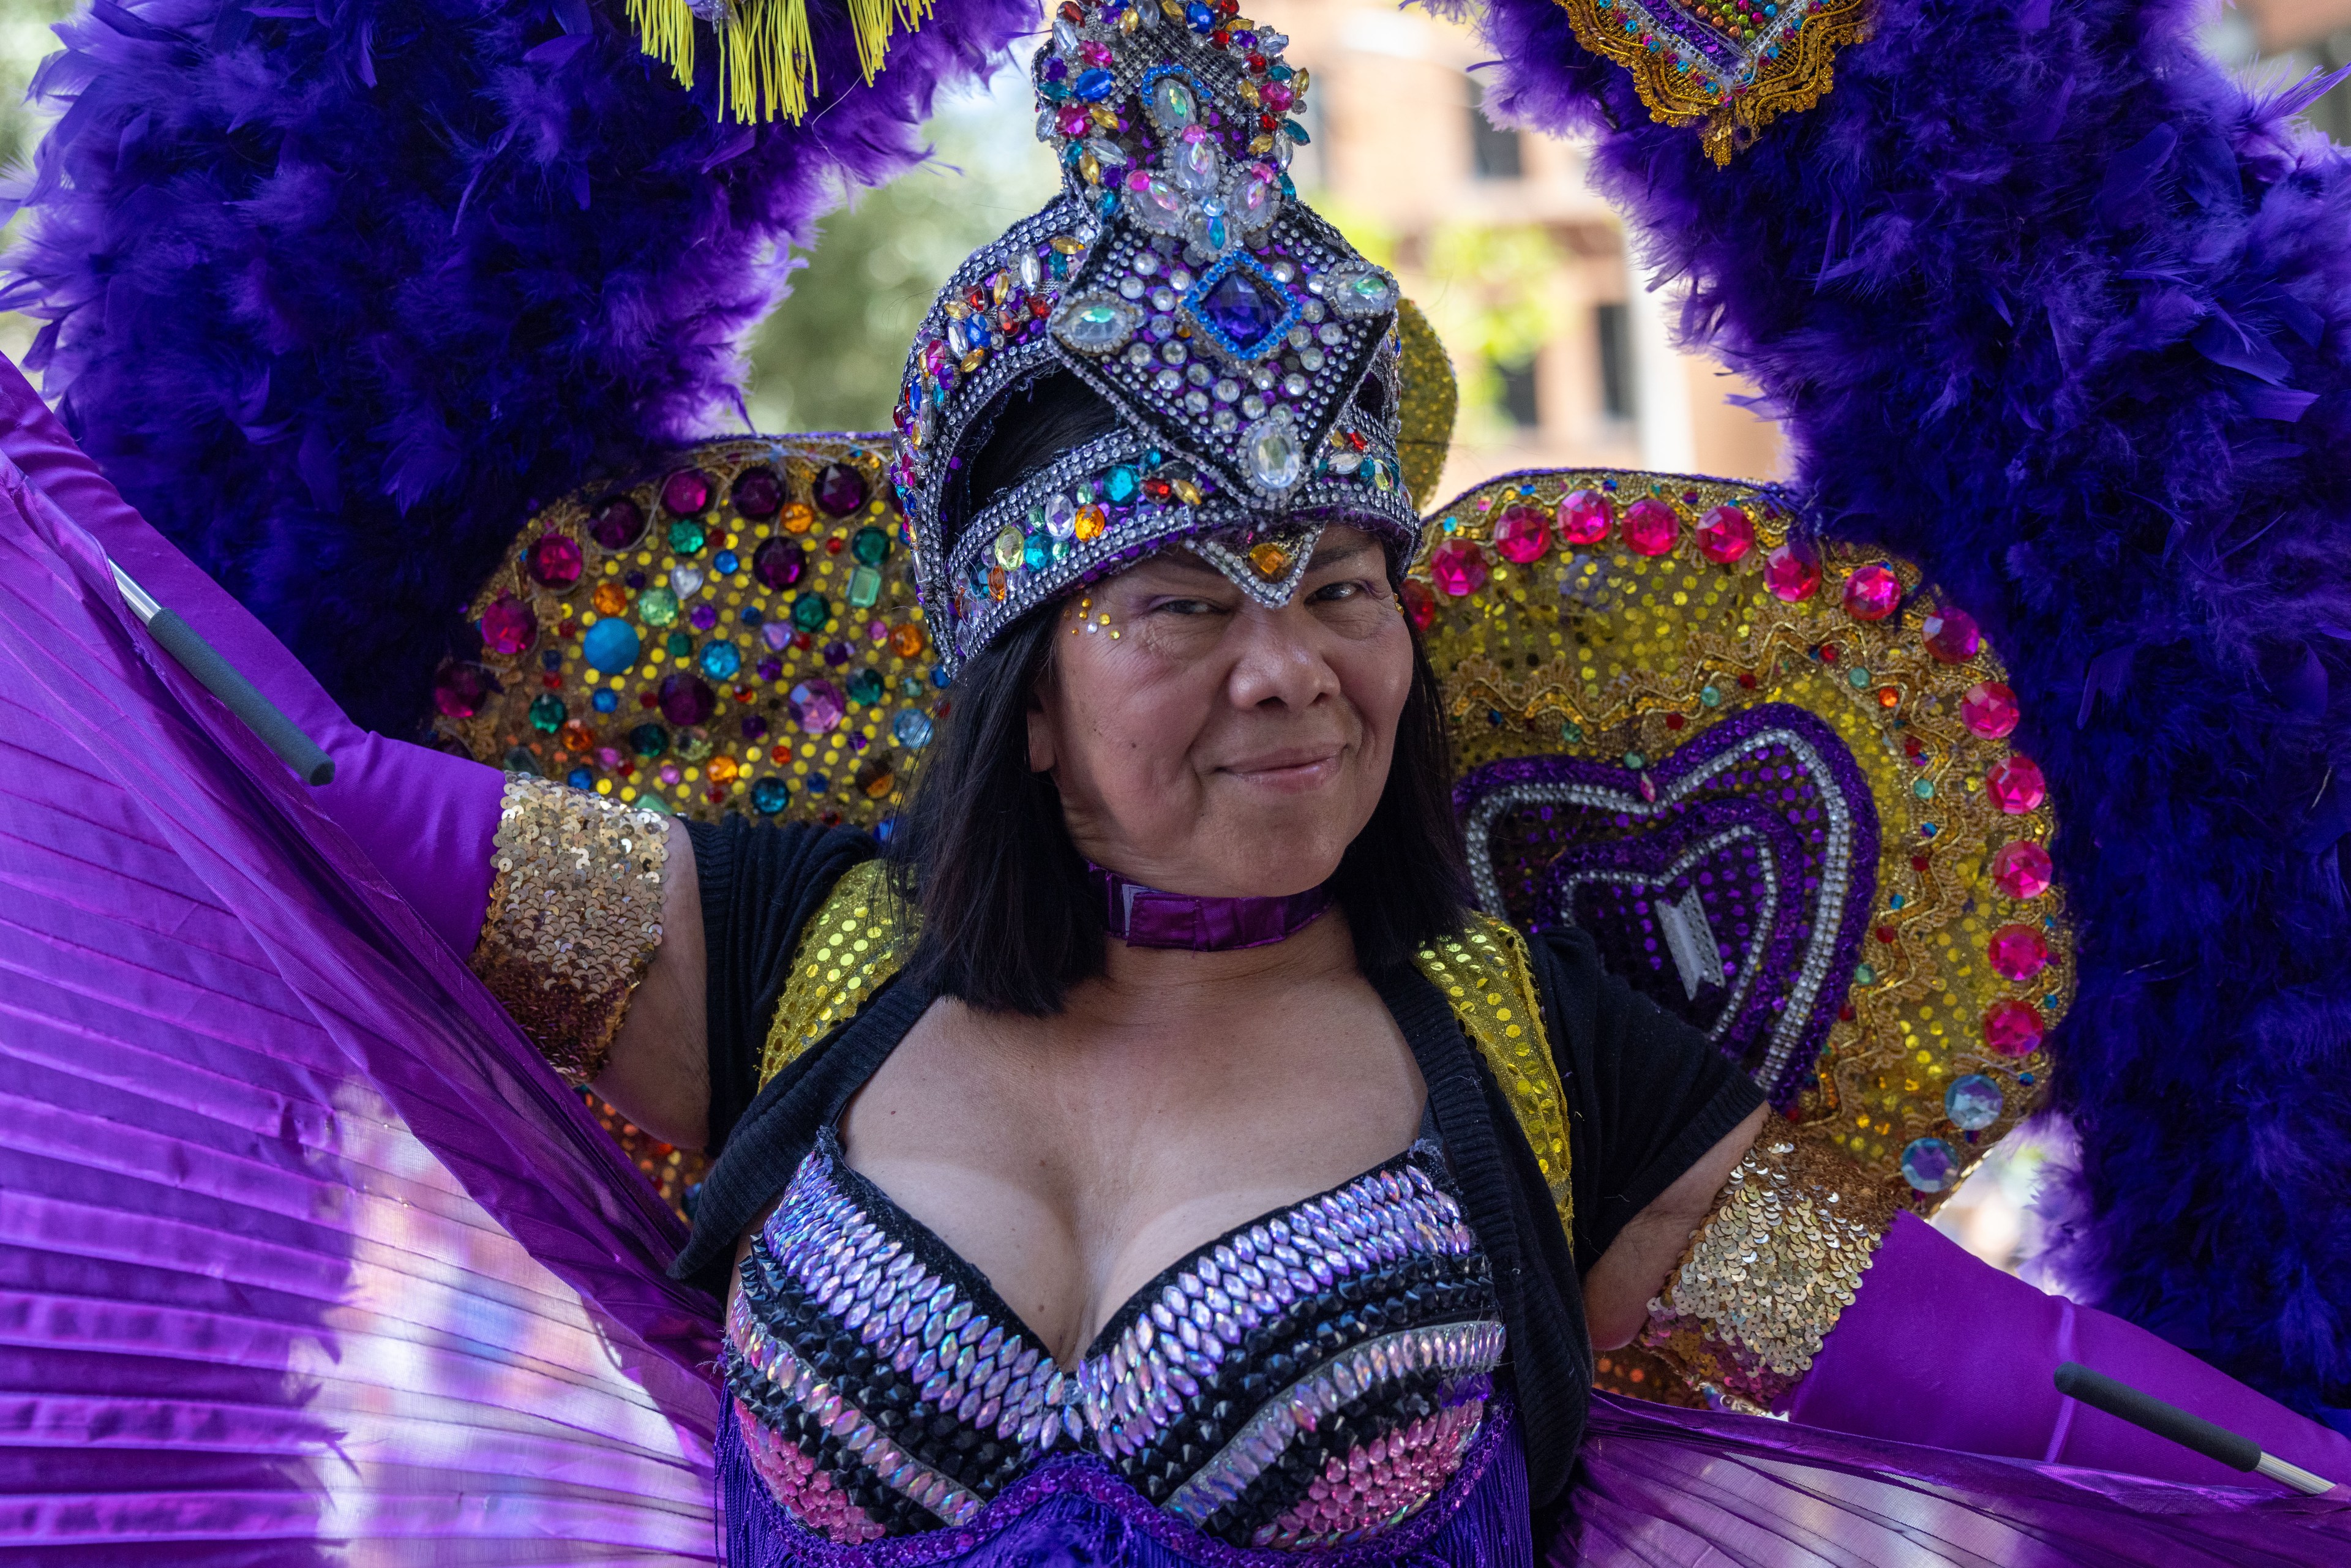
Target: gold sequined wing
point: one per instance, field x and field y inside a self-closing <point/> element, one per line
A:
<point x="1778" y="790"/>
<point x="733" y="629"/>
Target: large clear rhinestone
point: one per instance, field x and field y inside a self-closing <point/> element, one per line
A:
<point x="1173" y="106"/>
<point x="1273" y="453"/>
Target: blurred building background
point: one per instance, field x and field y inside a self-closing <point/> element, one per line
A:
<point x="1565" y="357"/>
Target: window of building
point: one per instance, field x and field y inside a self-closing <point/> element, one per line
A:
<point x="1520" y="401"/>
<point x="1611" y="331"/>
<point x="1493" y="151"/>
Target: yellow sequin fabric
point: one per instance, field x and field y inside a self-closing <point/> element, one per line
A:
<point x="851" y="945"/>
<point x="1722" y="64"/>
<point x="1486" y="977"/>
<point x="1622" y="655"/>
<point x="1766" y="1276"/>
<point x="574" y="918"/>
<point x="1429" y="400"/>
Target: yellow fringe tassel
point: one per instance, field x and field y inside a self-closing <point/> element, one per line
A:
<point x="767" y="58"/>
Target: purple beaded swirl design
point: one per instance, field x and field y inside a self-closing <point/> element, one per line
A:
<point x="1730" y="882"/>
<point x="893" y="1391"/>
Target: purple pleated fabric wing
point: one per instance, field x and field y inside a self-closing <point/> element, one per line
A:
<point x="300" y="1246"/>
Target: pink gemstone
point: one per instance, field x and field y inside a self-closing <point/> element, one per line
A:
<point x="1872" y="593"/>
<point x="1650" y="527"/>
<point x="685" y="492"/>
<point x="554" y="560"/>
<point x="1990" y="710"/>
<point x="1275" y="96"/>
<point x="1522" y="533"/>
<point x="1790" y="576"/>
<point x="1584" y="517"/>
<point x="2018" y="952"/>
<point x="1951" y="634"/>
<point x="459" y="689"/>
<point x="1418" y="602"/>
<point x="509" y="626"/>
<point x="2021" y="869"/>
<point x="1458" y="567"/>
<point x="2015" y="785"/>
<point x="1070" y="119"/>
<point x="1725" y="535"/>
<point x="2014" y="1027"/>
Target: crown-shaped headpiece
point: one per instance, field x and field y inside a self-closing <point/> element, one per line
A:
<point x="1251" y="352"/>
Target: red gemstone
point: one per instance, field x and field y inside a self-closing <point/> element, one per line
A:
<point x="1522" y="533"/>
<point x="2018" y="952"/>
<point x="2015" y="785"/>
<point x="2021" y="869"/>
<point x="758" y="492"/>
<point x="1790" y="576"/>
<point x="1458" y="567"/>
<point x="459" y="689"/>
<point x="554" y="560"/>
<point x="1650" y="526"/>
<point x="1725" y="535"/>
<point x="686" y="700"/>
<point x="840" y="490"/>
<point x="509" y="626"/>
<point x="1990" y="710"/>
<point x="1872" y="593"/>
<point x="1951" y="634"/>
<point x="616" y="527"/>
<point x="1584" y="517"/>
<point x="1419" y="603"/>
<point x="685" y="492"/>
<point x="2014" y="1027"/>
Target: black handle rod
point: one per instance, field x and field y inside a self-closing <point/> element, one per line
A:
<point x="2144" y="1410"/>
<point x="226" y="681"/>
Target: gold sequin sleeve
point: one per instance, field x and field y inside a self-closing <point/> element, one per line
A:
<point x="574" y="918"/>
<point x="854" y="941"/>
<point x="1765" y="1278"/>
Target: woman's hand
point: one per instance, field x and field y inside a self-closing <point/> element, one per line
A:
<point x="1617" y="1292"/>
<point x="658" y="1074"/>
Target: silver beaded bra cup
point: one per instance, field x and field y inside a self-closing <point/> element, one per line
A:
<point x="1252" y="352"/>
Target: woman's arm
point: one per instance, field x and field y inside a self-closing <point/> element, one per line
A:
<point x="1619" y="1289"/>
<point x="658" y="1074"/>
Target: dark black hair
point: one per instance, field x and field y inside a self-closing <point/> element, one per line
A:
<point x="1009" y="917"/>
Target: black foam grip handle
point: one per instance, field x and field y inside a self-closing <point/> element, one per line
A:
<point x="2120" y="1399"/>
<point x="224" y="681"/>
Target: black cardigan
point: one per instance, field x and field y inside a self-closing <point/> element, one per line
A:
<point x="1645" y="1097"/>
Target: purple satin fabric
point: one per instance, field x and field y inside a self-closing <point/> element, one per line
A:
<point x="1144" y="917"/>
<point x="1075" y="1512"/>
<point x="1973" y="1351"/>
<point x="425" y="818"/>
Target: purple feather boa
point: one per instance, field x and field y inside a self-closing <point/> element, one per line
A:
<point x="2050" y="305"/>
<point x="336" y="296"/>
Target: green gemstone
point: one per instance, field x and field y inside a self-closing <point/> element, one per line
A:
<point x="866" y="686"/>
<point x="870" y="546"/>
<point x="1710" y="697"/>
<point x="547" y="715"/>
<point x="864" y="587"/>
<point x="1572" y="733"/>
<point x="1858" y="677"/>
<point x="694" y="745"/>
<point x="1636" y="761"/>
<point x="1924" y="788"/>
<point x="649" y="741"/>
<point x="687" y="536"/>
<point x="680" y="645"/>
<point x="1865" y="976"/>
<point x="657" y="606"/>
<point x="810" y="611"/>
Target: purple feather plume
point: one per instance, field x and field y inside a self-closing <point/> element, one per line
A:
<point x="336" y="295"/>
<point x="2053" y="307"/>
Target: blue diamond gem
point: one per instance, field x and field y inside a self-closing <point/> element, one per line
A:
<point x="1241" y="309"/>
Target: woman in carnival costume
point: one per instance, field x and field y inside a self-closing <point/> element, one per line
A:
<point x="1152" y="1155"/>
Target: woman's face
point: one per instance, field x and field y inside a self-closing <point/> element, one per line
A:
<point x="1204" y="744"/>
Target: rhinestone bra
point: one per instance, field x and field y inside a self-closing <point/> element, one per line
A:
<point x="1308" y="1379"/>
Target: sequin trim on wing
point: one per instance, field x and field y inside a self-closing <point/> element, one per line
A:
<point x="1768" y="1274"/>
<point x="574" y="916"/>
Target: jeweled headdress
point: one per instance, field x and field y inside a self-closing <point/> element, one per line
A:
<point x="1252" y="351"/>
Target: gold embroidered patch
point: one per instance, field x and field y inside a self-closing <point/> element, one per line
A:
<point x="1486" y="978"/>
<point x="574" y="916"/>
<point x="1766" y="1277"/>
<point x="854" y="941"/>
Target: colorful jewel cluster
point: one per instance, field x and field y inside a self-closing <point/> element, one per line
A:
<point x="1253" y="352"/>
<point x="731" y="633"/>
<point x="1310" y="1378"/>
<point x="1724" y="697"/>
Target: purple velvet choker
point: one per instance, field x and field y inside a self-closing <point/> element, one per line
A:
<point x="1144" y="917"/>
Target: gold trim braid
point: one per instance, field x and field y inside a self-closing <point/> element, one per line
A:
<point x="851" y="945"/>
<point x="574" y="918"/>
<point x="1488" y="981"/>
<point x="1768" y="1273"/>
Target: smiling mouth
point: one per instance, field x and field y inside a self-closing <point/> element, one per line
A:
<point x="1294" y="769"/>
